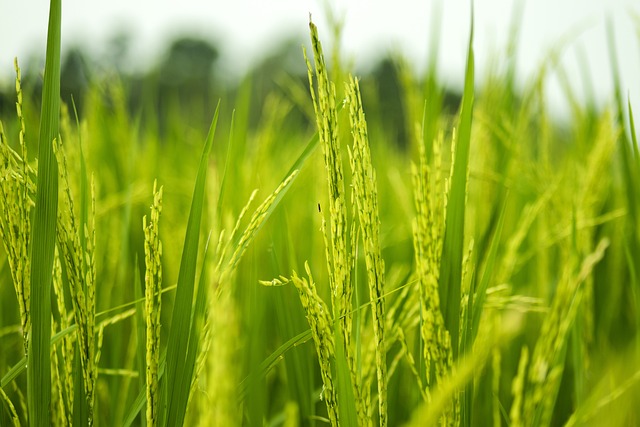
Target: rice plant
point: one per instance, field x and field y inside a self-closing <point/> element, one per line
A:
<point x="312" y="272"/>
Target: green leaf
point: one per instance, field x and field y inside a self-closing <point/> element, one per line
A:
<point x="177" y="393"/>
<point x="195" y="332"/>
<point x="451" y="265"/>
<point x="44" y="232"/>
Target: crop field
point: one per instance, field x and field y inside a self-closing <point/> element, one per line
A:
<point x="299" y="266"/>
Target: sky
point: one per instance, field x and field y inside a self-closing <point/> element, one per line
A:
<point x="246" y="29"/>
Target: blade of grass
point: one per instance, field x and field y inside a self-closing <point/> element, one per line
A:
<point x="451" y="265"/>
<point x="44" y="232"/>
<point x="176" y="385"/>
<point x="197" y="325"/>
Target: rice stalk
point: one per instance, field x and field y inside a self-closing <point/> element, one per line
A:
<point x="16" y="201"/>
<point x="66" y="348"/>
<point x="366" y="196"/>
<point x="224" y="246"/>
<point x="153" y="299"/>
<point x="408" y="355"/>
<point x="58" y="408"/>
<point x="15" y="420"/>
<point x="529" y="214"/>
<point x="319" y="319"/>
<point x="338" y="257"/>
<point x="518" y="389"/>
<point x="437" y="411"/>
<point x="547" y="365"/>
<point x="590" y="196"/>
<point x="404" y="312"/>
<point x="427" y="241"/>
<point x="221" y="330"/>
<point x="78" y="256"/>
<point x="255" y="223"/>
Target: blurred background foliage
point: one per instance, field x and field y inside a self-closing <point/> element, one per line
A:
<point x="188" y="78"/>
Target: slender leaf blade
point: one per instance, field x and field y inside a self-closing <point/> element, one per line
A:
<point x="179" y="331"/>
<point x="44" y="232"/>
<point x="451" y="265"/>
<point x="195" y="332"/>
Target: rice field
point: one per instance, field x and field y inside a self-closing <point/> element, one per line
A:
<point x="286" y="274"/>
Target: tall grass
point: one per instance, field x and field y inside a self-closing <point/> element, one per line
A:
<point x="484" y="275"/>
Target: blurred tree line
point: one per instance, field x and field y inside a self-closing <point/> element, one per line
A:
<point x="188" y="80"/>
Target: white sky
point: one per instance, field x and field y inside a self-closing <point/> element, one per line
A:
<point x="245" y="28"/>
